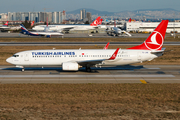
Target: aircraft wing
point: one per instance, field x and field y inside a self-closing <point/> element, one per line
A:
<point x="90" y="62"/>
<point x="67" y="28"/>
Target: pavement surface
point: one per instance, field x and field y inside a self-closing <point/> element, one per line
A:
<point x="120" y="74"/>
<point x="71" y="35"/>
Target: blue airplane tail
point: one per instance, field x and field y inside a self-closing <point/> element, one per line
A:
<point x="24" y="30"/>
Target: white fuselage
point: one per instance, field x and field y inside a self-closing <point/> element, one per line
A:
<point x="48" y="33"/>
<point x="58" y="57"/>
<point x="117" y="30"/>
<point x="68" y="27"/>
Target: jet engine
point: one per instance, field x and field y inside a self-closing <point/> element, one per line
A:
<point x="71" y="66"/>
<point x="48" y="36"/>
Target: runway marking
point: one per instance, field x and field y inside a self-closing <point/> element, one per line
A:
<point x="81" y="76"/>
<point x="143" y="81"/>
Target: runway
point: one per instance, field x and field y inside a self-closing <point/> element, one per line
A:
<point x="120" y="74"/>
<point x="74" y="43"/>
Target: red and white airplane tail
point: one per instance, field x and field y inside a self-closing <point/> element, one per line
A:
<point x="32" y="23"/>
<point x="129" y="20"/>
<point x="156" y="38"/>
<point x="96" y="22"/>
<point x="6" y="24"/>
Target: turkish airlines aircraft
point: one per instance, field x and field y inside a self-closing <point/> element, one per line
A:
<point x="5" y="27"/>
<point x="94" y="25"/>
<point x="72" y="60"/>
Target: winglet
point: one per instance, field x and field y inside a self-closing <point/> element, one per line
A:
<point x="114" y="54"/>
<point x="106" y="47"/>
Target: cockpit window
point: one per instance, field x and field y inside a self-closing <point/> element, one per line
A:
<point x="15" y="55"/>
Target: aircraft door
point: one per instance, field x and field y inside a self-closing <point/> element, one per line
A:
<point x="26" y="57"/>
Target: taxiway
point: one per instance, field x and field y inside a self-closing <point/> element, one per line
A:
<point x="120" y="74"/>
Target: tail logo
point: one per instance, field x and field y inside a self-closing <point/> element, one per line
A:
<point x="95" y="22"/>
<point x="155" y="41"/>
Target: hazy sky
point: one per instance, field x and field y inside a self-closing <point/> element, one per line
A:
<point x="70" y="5"/>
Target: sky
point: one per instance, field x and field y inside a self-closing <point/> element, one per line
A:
<point x="70" y="5"/>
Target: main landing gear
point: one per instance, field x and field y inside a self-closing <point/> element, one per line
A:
<point x="88" y="69"/>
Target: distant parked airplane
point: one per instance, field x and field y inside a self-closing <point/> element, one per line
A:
<point x="115" y="31"/>
<point x="5" y="27"/>
<point x="44" y="33"/>
<point x="93" y="26"/>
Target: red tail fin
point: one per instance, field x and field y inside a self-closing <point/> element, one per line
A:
<point x="32" y="23"/>
<point x="129" y="20"/>
<point x="47" y="22"/>
<point x="6" y="24"/>
<point x="156" y="39"/>
<point x="95" y="23"/>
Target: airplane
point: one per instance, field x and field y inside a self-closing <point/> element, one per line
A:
<point x="5" y="27"/>
<point x="105" y="21"/>
<point x="72" y="60"/>
<point x="93" y="26"/>
<point x="47" y="34"/>
<point x="115" y="31"/>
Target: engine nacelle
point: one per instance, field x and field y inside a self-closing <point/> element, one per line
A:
<point x="70" y="66"/>
<point x="48" y="36"/>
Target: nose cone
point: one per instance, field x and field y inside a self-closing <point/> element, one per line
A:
<point x="9" y="60"/>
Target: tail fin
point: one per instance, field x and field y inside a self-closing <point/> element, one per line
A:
<point x="47" y="22"/>
<point x="129" y="20"/>
<point x="156" y="39"/>
<point x="46" y="28"/>
<point x="95" y="22"/>
<point x="32" y="23"/>
<point x="6" y="24"/>
<point x="100" y="22"/>
<point x="23" y="29"/>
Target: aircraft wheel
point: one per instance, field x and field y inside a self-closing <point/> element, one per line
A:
<point x="88" y="69"/>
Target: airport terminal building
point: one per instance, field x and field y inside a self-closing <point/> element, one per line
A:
<point x="147" y="27"/>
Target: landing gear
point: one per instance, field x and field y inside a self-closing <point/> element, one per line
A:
<point x="22" y="69"/>
<point x="88" y="69"/>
